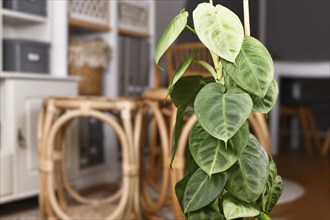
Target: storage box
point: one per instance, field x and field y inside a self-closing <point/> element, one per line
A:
<point x="37" y="7"/>
<point x="25" y="56"/>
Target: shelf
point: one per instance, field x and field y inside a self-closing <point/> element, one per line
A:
<point x="135" y="34"/>
<point x="87" y="25"/>
<point x="35" y="76"/>
<point x="16" y="17"/>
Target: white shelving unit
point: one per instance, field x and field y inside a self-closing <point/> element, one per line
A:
<point x="54" y="29"/>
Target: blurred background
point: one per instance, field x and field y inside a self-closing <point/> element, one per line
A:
<point x="106" y="48"/>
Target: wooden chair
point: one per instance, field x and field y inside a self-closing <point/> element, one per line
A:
<point x="57" y="198"/>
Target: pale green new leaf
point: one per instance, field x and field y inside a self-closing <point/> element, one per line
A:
<point x="253" y="69"/>
<point x="180" y="188"/>
<point x="180" y="71"/>
<point x="234" y="208"/>
<point x="211" y="154"/>
<point x="273" y="190"/>
<point x="210" y="212"/>
<point x="208" y="67"/>
<point x="248" y="176"/>
<point x="266" y="103"/>
<point x="222" y="114"/>
<point x="170" y="34"/>
<point x="219" y="29"/>
<point x="201" y="190"/>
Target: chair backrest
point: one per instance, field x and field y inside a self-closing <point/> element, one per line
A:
<point x="178" y="52"/>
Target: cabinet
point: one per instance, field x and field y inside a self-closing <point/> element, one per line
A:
<point x="21" y="94"/>
<point x="21" y="98"/>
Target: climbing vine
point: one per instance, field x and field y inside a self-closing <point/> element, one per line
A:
<point x="229" y="175"/>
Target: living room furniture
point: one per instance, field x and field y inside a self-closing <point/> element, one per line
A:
<point x="56" y="193"/>
<point x="293" y="69"/>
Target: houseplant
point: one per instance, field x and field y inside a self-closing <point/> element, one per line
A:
<point x="229" y="174"/>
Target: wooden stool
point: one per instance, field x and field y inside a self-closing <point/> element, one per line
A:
<point x="55" y="189"/>
<point x="306" y="119"/>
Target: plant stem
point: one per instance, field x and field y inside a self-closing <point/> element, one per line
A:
<point x="246" y="17"/>
<point x="211" y="2"/>
<point x="191" y="29"/>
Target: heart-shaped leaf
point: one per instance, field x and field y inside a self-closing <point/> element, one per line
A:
<point x="266" y="103"/>
<point x="176" y="132"/>
<point x="170" y="34"/>
<point x="219" y="29"/>
<point x="222" y="114"/>
<point x="201" y="190"/>
<point x="186" y="89"/>
<point x="180" y="71"/>
<point x="263" y="105"/>
<point x="233" y="208"/>
<point x="273" y="190"/>
<point x="248" y="176"/>
<point x="208" y="212"/>
<point x="253" y="69"/>
<point x="180" y="188"/>
<point x="211" y="154"/>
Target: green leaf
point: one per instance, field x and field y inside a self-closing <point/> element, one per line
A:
<point x="170" y="34"/>
<point x="180" y="188"/>
<point x="222" y="114"/>
<point x="208" y="212"/>
<point x="273" y="190"/>
<point x="201" y="190"/>
<point x="234" y="208"/>
<point x="253" y="69"/>
<point x="191" y="165"/>
<point x="219" y="29"/>
<point x="186" y="89"/>
<point x="176" y="132"/>
<point x="266" y="103"/>
<point x="211" y="154"/>
<point x="180" y="71"/>
<point x="248" y="176"/>
<point x="209" y="68"/>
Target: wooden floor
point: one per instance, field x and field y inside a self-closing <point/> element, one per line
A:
<point x="313" y="173"/>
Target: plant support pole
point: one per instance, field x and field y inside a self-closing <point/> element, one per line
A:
<point x="246" y="17"/>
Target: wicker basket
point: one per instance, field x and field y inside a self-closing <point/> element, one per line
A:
<point x="87" y="59"/>
<point x="91" y="11"/>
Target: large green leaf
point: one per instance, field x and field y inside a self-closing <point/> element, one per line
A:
<point x="260" y="104"/>
<point x="211" y="154"/>
<point x="201" y="190"/>
<point x="182" y="95"/>
<point x="248" y="176"/>
<point x="253" y="69"/>
<point x="234" y="208"/>
<point x="170" y="34"/>
<point x="176" y="131"/>
<point x="219" y="29"/>
<point x="273" y="190"/>
<point x="222" y="114"/>
<point x="186" y="89"/>
<point x="180" y="188"/>
<point x="266" y="103"/>
<point x="208" y="212"/>
<point x="180" y="71"/>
